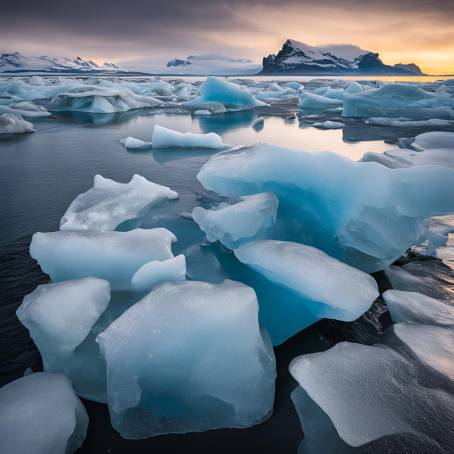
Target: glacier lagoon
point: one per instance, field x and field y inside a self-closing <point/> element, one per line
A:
<point x="43" y="172"/>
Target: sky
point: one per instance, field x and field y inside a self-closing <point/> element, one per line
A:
<point x="145" y="34"/>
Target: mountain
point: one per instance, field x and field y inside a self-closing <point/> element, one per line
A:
<point x="213" y="64"/>
<point x="14" y="62"/>
<point x="345" y="59"/>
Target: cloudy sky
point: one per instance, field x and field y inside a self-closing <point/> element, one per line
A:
<point x="146" y="33"/>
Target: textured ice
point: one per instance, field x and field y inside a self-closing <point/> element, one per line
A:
<point x="109" y="203"/>
<point x="95" y="99"/>
<point x="188" y="357"/>
<point x="416" y="307"/>
<point x="132" y="142"/>
<point x="217" y="95"/>
<point x="167" y="138"/>
<point x="114" y="256"/>
<point x="315" y="101"/>
<point x="323" y="287"/>
<point x="370" y="392"/>
<point x="251" y="218"/>
<point x="329" y="125"/>
<point x="435" y="139"/>
<point x="41" y="414"/>
<point x="60" y="317"/>
<point x="156" y="272"/>
<point x="360" y="212"/>
<point x="25" y="109"/>
<point x="14" y="124"/>
<point x="398" y="100"/>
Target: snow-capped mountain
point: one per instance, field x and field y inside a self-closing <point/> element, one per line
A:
<point x="13" y="62"/>
<point x="300" y="58"/>
<point x="213" y="64"/>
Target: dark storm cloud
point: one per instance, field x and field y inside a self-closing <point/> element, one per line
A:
<point x="133" y="29"/>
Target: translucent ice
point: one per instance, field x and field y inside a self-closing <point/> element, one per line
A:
<point x="59" y="317"/>
<point x="109" y="203"/>
<point x="167" y="138"/>
<point x="188" y="357"/>
<point x="314" y="101"/>
<point x="114" y="256"/>
<point x="41" y="414"/>
<point x="322" y="286"/>
<point x="14" y="124"/>
<point x="25" y="109"/>
<point x="232" y="225"/>
<point x="360" y="212"/>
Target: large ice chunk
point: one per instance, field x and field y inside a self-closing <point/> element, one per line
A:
<point x="366" y="393"/>
<point x="167" y="138"/>
<point x="25" y="109"/>
<point x="309" y="100"/>
<point x="11" y="123"/>
<point x="188" y="357"/>
<point x="114" y="256"/>
<point x="398" y="100"/>
<point x="218" y="94"/>
<point x="109" y="203"/>
<point x="323" y="287"/>
<point x="232" y="225"/>
<point x="41" y="414"/>
<point x="435" y="139"/>
<point x="60" y="317"/>
<point x="418" y="308"/>
<point x="360" y="212"/>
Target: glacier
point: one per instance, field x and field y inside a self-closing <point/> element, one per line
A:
<point x="41" y="414"/>
<point x="321" y="286"/>
<point x="108" y="203"/>
<point x="370" y="223"/>
<point x="251" y="218"/>
<point x="188" y="357"/>
<point x="114" y="256"/>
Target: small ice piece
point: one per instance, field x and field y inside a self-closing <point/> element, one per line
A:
<point x="370" y="215"/>
<point x="132" y="142"/>
<point x="217" y="93"/>
<point x="366" y="393"/>
<point x="167" y="138"/>
<point x="11" y="123"/>
<point x="250" y="219"/>
<point x="310" y="100"/>
<point x="114" y="256"/>
<point x="109" y="203"/>
<point x="405" y="122"/>
<point x="354" y="87"/>
<point x="156" y="272"/>
<point x="329" y="125"/>
<point x="415" y="307"/>
<point x="41" y="414"/>
<point x="323" y="286"/>
<point x="202" y="112"/>
<point x="434" y="139"/>
<point x="258" y="123"/>
<point x="188" y="357"/>
<point x="60" y="317"/>
<point x="295" y="85"/>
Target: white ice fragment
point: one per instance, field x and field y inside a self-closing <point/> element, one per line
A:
<point x="249" y="219"/>
<point x="329" y="125"/>
<point x="114" y="256"/>
<point x="109" y="203"/>
<point x="188" y="357"/>
<point x="41" y="414"/>
<point x="156" y="272"/>
<point x="167" y="138"/>
<point x="435" y="139"/>
<point x="11" y="123"/>
<point x="132" y="142"/>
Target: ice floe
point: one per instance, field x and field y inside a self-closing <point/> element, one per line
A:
<point x="167" y="138"/>
<point x="14" y="124"/>
<point x="132" y="142"/>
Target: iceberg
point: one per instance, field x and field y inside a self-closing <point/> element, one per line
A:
<point x="251" y="218"/>
<point x="109" y="203"/>
<point x="95" y="99"/>
<point x="167" y="138"/>
<point x="398" y="100"/>
<point x="359" y="212"/>
<point x="356" y="380"/>
<point x="132" y="142"/>
<point x="309" y="100"/>
<point x="414" y="307"/>
<point x="14" y="124"/>
<point x="60" y="317"/>
<point x="188" y="357"/>
<point x="322" y="287"/>
<point x="41" y="414"/>
<point x="113" y="256"/>
<point x="25" y="109"/>
<point x="434" y="140"/>
<point x="156" y="272"/>
<point x="218" y="95"/>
